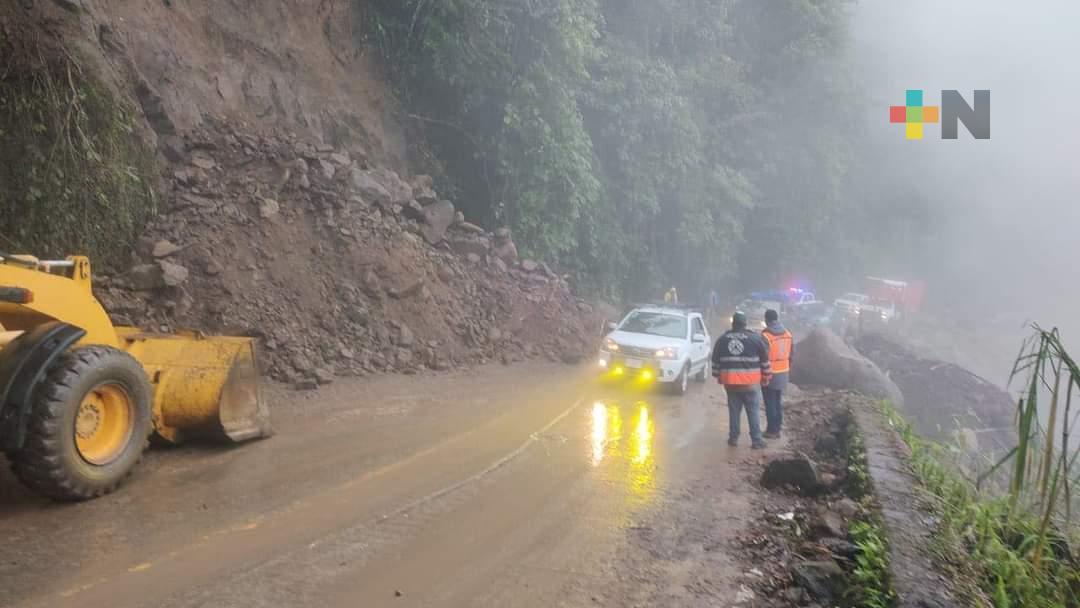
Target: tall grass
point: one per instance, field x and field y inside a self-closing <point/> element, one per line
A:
<point x="1015" y="543"/>
<point x="1043" y="462"/>
<point x="988" y="548"/>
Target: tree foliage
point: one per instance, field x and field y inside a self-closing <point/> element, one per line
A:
<point x="639" y="142"/>
<point x="74" y="177"/>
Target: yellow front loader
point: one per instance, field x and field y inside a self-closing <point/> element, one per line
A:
<point x="79" y="397"/>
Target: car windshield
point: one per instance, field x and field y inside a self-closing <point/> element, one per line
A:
<point x="655" y="324"/>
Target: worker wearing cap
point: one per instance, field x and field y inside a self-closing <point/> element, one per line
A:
<point x="779" y="341"/>
<point x="740" y="361"/>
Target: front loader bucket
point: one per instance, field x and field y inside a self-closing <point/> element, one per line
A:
<point x="203" y="386"/>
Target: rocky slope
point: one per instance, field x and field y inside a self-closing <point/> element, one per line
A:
<point x="265" y="63"/>
<point x="284" y="213"/>
<point x="339" y="266"/>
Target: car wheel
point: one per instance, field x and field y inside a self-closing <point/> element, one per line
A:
<point x="678" y="387"/>
<point x="705" y="372"/>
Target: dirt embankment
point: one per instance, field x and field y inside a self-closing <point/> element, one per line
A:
<point x="943" y="400"/>
<point x="286" y="209"/>
<point x="266" y="64"/>
<point x="340" y="268"/>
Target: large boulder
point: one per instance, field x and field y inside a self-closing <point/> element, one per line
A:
<point x="172" y="275"/>
<point x="145" y="277"/>
<point x="163" y="249"/>
<point x="505" y="249"/>
<point x="797" y="471"/>
<point x="437" y="219"/>
<point x="470" y="245"/>
<point x="823" y="580"/>
<point x="400" y="191"/>
<point x="370" y="189"/>
<point x="823" y="359"/>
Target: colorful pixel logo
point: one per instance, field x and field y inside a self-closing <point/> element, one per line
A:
<point x="913" y="115"/>
<point x="953" y="111"/>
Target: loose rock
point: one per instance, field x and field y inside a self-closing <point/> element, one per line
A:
<point x="145" y="277"/>
<point x="324" y="376"/>
<point x="268" y="208"/>
<point x="437" y="219"/>
<point x="173" y="275"/>
<point x="799" y="472"/>
<point x="163" y="249"/>
<point x="370" y="189"/>
<point x="823" y="580"/>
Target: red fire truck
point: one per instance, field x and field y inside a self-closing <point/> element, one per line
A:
<point x="906" y="296"/>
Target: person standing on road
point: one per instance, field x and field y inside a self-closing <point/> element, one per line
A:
<point x="714" y="305"/>
<point x="740" y="361"/>
<point x="671" y="296"/>
<point x="780" y="346"/>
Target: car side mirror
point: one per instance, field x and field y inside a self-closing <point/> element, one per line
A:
<point x="699" y="338"/>
<point x="610" y="326"/>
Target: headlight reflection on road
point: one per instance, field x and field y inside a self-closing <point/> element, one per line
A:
<point x="637" y="454"/>
<point x="599" y="432"/>
<point x="642" y="461"/>
<point x="643" y="435"/>
<point x="606" y="430"/>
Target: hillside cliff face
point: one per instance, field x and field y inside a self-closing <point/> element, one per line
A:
<point x="280" y="205"/>
<point x="286" y="65"/>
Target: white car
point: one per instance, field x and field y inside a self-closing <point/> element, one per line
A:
<point x="850" y="303"/>
<point x="666" y="344"/>
<point x="876" y="308"/>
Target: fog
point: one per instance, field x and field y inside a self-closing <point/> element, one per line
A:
<point x="1003" y="240"/>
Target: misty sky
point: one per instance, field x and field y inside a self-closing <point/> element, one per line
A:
<point x="1009" y="207"/>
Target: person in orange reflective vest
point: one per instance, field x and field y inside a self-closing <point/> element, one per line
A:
<point x="740" y="361"/>
<point x="780" y="345"/>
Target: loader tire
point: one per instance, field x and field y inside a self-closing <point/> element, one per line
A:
<point x="90" y="422"/>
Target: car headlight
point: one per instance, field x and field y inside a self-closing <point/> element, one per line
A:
<point x="611" y="345"/>
<point x="669" y="352"/>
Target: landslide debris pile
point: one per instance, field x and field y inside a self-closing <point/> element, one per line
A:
<point x="824" y="359"/>
<point x="941" y="398"/>
<point x="339" y="267"/>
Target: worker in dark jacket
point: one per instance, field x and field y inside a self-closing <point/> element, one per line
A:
<point x="740" y="361"/>
<point x="780" y="346"/>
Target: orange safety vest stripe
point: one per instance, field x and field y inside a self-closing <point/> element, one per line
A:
<point x="740" y="376"/>
<point x="779" y="351"/>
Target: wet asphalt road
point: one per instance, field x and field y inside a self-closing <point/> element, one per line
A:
<point x="521" y="486"/>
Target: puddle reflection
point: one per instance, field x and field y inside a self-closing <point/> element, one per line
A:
<point x="636" y="451"/>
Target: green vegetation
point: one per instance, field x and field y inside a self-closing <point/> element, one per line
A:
<point x="871" y="587"/>
<point x="1011" y="557"/>
<point x="73" y="176"/>
<point x="1042" y="471"/>
<point x="625" y="139"/>
<point x="859" y="484"/>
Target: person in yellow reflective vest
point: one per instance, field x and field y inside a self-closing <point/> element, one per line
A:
<point x="779" y="340"/>
<point x="671" y="296"/>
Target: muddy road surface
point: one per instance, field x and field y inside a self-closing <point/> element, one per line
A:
<point x="531" y="485"/>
